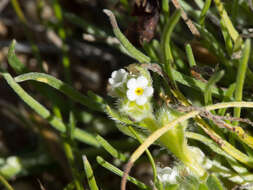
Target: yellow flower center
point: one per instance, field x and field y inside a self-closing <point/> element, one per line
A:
<point x="139" y="91"/>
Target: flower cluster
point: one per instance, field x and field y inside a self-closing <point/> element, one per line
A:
<point x="135" y="89"/>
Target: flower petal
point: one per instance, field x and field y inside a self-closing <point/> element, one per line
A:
<point x="124" y="76"/>
<point x="122" y="71"/>
<point x="131" y="83"/>
<point x="142" y="81"/>
<point x="141" y="100"/>
<point x="114" y="73"/>
<point x="111" y="81"/>
<point x="131" y="95"/>
<point x="148" y="91"/>
<point x="118" y="78"/>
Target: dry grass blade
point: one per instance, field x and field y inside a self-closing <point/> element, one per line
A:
<point x="187" y="21"/>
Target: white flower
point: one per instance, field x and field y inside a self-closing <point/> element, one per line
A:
<point x="167" y="175"/>
<point x="118" y="78"/>
<point x="138" y="90"/>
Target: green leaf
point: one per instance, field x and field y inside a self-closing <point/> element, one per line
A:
<point x="211" y="82"/>
<point x="196" y="84"/>
<point x="116" y="116"/>
<point x="203" y="187"/>
<point x="224" y="16"/>
<point x="123" y="121"/>
<point x="204" y="11"/>
<point x="14" y="62"/>
<point x="228" y="96"/>
<point x="227" y="38"/>
<point x="133" y="52"/>
<point x="172" y="187"/>
<point x="214" y="183"/>
<point x="167" y="58"/>
<point x="89" y="174"/>
<point x="62" y="87"/>
<point x="240" y="78"/>
<point x="190" y="55"/>
<point x="44" y="113"/>
<point x="118" y="172"/>
<point x="110" y="149"/>
<point x="20" y="68"/>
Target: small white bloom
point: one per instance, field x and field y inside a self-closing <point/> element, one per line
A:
<point x="167" y="175"/>
<point x="118" y="78"/>
<point x="138" y="90"/>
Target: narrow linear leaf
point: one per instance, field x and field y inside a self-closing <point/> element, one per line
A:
<point x="227" y="38"/>
<point x="214" y="183"/>
<point x="211" y="82"/>
<point x="190" y="55"/>
<point x="17" y="66"/>
<point x="133" y="52"/>
<point x="196" y="84"/>
<point x="118" y="172"/>
<point x="110" y="149"/>
<point x="116" y="116"/>
<point x="240" y="78"/>
<point x="44" y="113"/>
<point x="204" y="11"/>
<point x="151" y="51"/>
<point x="228" y="23"/>
<point x="89" y="174"/>
<point x="20" y="68"/>
<point x="68" y="148"/>
<point x="62" y="87"/>
<point x="167" y="57"/>
<point x="122" y="123"/>
<point x="165" y="6"/>
<point x="228" y="96"/>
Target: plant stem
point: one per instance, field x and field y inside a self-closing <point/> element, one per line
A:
<point x="5" y="183"/>
<point x="243" y="65"/>
<point x="147" y="152"/>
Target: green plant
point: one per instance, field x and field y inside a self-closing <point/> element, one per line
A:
<point x="140" y="94"/>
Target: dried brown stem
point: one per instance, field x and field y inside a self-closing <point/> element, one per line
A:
<point x="187" y="21"/>
<point x="127" y="169"/>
